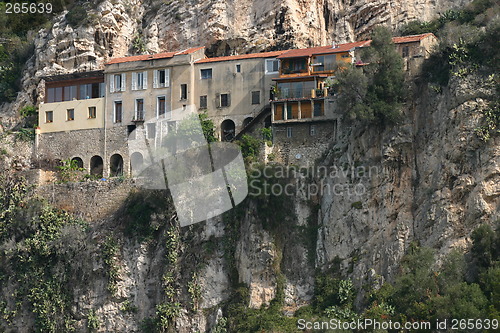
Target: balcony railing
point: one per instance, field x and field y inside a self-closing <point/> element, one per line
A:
<point x="139" y="116"/>
<point x="287" y="93"/>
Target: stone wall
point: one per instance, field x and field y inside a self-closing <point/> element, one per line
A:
<point x="92" y="200"/>
<point x="57" y="146"/>
<point x="305" y="145"/>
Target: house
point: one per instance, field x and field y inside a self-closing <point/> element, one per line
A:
<point x="235" y="89"/>
<point x="93" y="117"/>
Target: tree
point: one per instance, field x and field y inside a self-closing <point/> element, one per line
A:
<point x="375" y="94"/>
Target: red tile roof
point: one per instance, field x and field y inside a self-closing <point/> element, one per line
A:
<point x="308" y="52"/>
<point x="322" y="50"/>
<point x="410" y="39"/>
<point x="163" y="55"/>
<point x="242" y="56"/>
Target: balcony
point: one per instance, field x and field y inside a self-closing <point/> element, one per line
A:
<point x="139" y="117"/>
<point x="288" y="93"/>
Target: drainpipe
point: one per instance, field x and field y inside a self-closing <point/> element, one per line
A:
<point x="105" y="114"/>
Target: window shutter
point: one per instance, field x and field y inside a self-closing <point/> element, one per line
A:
<point x="167" y="77"/>
<point x="124" y="81"/>
<point x="217" y="100"/>
<point x="145" y="80"/>
<point x="155" y="78"/>
<point x="134" y="81"/>
<point x="111" y="83"/>
<point x="228" y="99"/>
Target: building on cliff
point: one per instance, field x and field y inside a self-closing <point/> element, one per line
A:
<point x="90" y="116"/>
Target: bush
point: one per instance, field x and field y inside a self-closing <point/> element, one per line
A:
<point x="76" y="16"/>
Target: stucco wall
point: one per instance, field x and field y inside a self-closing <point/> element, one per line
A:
<point x="81" y="113"/>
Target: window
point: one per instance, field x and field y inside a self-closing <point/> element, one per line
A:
<point x="206" y="73"/>
<point x="312" y="130"/>
<point x="288" y="132"/>
<point x="92" y="112"/>
<point x="51" y="95"/>
<point x="255" y="97"/>
<point x="318" y="109"/>
<point x="203" y="102"/>
<point x="289" y="114"/>
<point x="161" y="78"/>
<point x="139" y="109"/>
<point x="117" y="83"/>
<point x="139" y="80"/>
<point x="70" y="114"/>
<point x="70" y="93"/>
<point x="406" y="51"/>
<point x="118" y="112"/>
<point x="184" y="91"/>
<point x="272" y="66"/>
<point x="225" y="100"/>
<point x="161" y="106"/>
<point x="49" y="116"/>
<point x="151" y="128"/>
<point x="238" y="68"/>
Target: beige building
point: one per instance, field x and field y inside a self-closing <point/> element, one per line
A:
<point x="235" y="89"/>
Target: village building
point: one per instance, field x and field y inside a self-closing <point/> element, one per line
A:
<point x="93" y="117"/>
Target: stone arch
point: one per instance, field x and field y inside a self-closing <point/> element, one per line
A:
<point x="96" y="166"/>
<point x="116" y="165"/>
<point x="227" y="130"/>
<point x="78" y="161"/>
<point x="247" y="121"/>
<point x="136" y="163"/>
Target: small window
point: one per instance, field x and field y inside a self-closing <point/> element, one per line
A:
<point x="312" y="130"/>
<point x="225" y="100"/>
<point x="70" y="114"/>
<point x="140" y="80"/>
<point x="139" y="109"/>
<point x="206" y="73"/>
<point x="49" y="116"/>
<point x="161" y="78"/>
<point x="161" y="106"/>
<point x="151" y="128"/>
<point x="51" y="95"/>
<point x="238" y="68"/>
<point x="118" y="82"/>
<point x="288" y="132"/>
<point x="203" y="102"/>
<point x="92" y="112"/>
<point x="345" y="56"/>
<point x="406" y="51"/>
<point x="255" y="97"/>
<point x="272" y="66"/>
<point x="184" y="91"/>
<point x="118" y="112"/>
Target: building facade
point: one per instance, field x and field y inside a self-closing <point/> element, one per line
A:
<point x="94" y="117"/>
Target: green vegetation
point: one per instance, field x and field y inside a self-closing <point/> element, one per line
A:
<point x="109" y="250"/>
<point x="39" y="251"/>
<point x="16" y="42"/>
<point x="468" y="44"/>
<point x="376" y="94"/>
<point x="69" y="171"/>
<point x="25" y="134"/>
<point x="250" y="147"/>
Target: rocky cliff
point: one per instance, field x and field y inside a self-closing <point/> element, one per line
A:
<point x="119" y="28"/>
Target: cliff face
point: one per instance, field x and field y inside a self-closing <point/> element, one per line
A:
<point x="119" y="28"/>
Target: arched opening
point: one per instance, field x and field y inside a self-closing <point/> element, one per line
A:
<point x="78" y="162"/>
<point x="116" y="165"/>
<point x="136" y="162"/>
<point x="227" y="130"/>
<point x="96" y="166"/>
<point x="247" y="121"/>
<point x="267" y="122"/>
